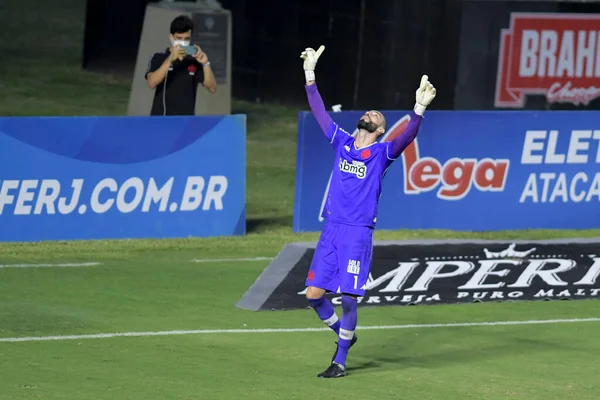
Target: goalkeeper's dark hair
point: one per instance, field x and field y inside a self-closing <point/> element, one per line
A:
<point x="182" y="24"/>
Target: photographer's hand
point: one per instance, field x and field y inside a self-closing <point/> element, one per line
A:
<point x="177" y="52"/>
<point x="209" y="78"/>
<point x="200" y="56"/>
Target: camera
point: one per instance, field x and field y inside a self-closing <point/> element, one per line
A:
<point x="189" y="50"/>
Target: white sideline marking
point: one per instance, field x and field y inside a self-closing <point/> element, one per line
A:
<point x="88" y="264"/>
<point x="231" y="259"/>
<point x="281" y="330"/>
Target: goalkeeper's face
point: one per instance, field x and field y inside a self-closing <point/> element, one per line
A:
<point x="373" y="122"/>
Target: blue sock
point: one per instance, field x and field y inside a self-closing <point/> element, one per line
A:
<point x="325" y="311"/>
<point x="349" y="320"/>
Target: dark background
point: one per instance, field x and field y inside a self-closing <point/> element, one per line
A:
<point x="376" y="52"/>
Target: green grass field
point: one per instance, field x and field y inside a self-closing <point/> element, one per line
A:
<point x="149" y="286"/>
<point x="152" y="286"/>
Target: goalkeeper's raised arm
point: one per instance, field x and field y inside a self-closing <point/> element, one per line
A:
<point x="310" y="57"/>
<point x="423" y="97"/>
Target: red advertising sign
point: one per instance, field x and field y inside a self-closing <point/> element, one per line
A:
<point x="556" y="55"/>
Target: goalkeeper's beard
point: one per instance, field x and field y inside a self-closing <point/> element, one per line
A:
<point x="367" y="126"/>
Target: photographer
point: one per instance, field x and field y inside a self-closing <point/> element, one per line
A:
<point x="175" y="73"/>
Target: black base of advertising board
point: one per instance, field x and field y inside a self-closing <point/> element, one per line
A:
<point x="444" y="272"/>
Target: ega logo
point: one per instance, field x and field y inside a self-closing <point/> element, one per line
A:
<point x="453" y="179"/>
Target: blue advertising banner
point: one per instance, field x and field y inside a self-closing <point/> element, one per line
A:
<point x="470" y="171"/>
<point x="64" y="178"/>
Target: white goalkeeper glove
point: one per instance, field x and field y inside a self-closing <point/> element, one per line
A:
<point x="424" y="95"/>
<point x="310" y="57"/>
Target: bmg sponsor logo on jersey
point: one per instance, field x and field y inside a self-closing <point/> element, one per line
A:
<point x="556" y="55"/>
<point x="357" y="168"/>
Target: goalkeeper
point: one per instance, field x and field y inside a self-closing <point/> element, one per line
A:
<point x="342" y="258"/>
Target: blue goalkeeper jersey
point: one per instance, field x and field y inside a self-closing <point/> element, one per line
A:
<point x="355" y="186"/>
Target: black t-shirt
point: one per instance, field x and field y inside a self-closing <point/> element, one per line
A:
<point x="182" y="82"/>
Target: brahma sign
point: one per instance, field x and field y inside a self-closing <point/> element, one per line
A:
<point x="556" y="55"/>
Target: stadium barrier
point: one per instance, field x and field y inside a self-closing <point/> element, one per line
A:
<point x="68" y="178"/>
<point x="432" y="272"/>
<point x="475" y="171"/>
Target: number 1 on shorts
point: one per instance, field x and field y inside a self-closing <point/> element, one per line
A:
<point x="355" y="281"/>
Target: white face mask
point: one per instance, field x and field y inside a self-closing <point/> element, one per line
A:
<point x="181" y="42"/>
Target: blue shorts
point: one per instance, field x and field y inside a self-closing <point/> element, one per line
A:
<point x="342" y="259"/>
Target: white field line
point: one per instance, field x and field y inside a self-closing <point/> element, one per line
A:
<point x="92" y="264"/>
<point x="204" y="260"/>
<point x="282" y="330"/>
<point x="67" y="265"/>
